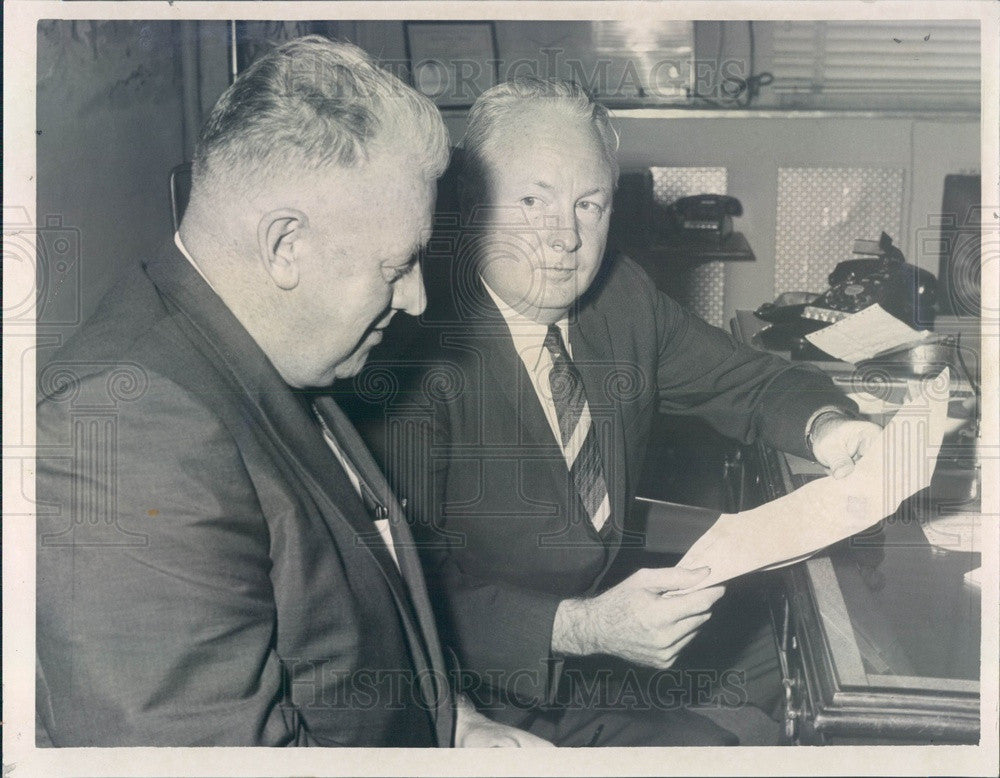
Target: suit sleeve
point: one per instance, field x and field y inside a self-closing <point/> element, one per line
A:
<point x="744" y="393"/>
<point x="155" y="613"/>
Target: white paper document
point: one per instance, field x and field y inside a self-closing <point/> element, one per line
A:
<point x="899" y="463"/>
<point x="864" y="334"/>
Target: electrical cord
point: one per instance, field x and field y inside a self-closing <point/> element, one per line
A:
<point x="739" y="92"/>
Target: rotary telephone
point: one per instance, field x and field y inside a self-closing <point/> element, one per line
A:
<point x="704" y="216"/>
<point x="907" y="292"/>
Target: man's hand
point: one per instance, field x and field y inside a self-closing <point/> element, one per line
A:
<point x="474" y="730"/>
<point x="838" y="441"/>
<point x="637" y="620"/>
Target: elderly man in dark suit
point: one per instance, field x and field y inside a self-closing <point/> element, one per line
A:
<point x="220" y="562"/>
<point x="551" y="362"/>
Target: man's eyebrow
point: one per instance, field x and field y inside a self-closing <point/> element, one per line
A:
<point x="411" y="256"/>
<point x="588" y="193"/>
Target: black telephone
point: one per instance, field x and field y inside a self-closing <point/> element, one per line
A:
<point x="707" y="207"/>
<point x="907" y="292"/>
<point x="704" y="216"/>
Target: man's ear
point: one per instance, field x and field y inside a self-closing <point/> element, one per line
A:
<point x="280" y="245"/>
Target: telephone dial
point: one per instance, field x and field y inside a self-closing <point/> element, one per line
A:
<point x="907" y="292"/>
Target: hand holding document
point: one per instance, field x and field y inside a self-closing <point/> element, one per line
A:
<point x="898" y="464"/>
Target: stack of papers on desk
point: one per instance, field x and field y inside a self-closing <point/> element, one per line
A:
<point x="827" y="510"/>
<point x="862" y="335"/>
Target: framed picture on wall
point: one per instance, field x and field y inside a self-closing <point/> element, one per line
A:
<point x="452" y="62"/>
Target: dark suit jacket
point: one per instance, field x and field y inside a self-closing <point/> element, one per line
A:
<point x="207" y="575"/>
<point x="491" y="498"/>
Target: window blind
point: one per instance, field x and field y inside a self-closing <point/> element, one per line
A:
<point x="875" y="64"/>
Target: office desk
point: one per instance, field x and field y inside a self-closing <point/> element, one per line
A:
<point x="879" y="635"/>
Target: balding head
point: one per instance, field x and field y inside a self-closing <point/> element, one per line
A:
<point x="313" y="103"/>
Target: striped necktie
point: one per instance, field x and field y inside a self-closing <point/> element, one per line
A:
<point x="586" y="470"/>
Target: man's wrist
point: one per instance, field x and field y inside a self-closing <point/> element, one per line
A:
<point x="821" y="417"/>
<point x="466" y="718"/>
<point x="572" y="628"/>
<point x="465" y="711"/>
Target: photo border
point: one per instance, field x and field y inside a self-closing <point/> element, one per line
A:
<point x="20" y="755"/>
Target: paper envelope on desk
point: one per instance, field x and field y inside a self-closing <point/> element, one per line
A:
<point x="899" y="463"/>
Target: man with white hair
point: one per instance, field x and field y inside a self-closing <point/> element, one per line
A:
<point x="219" y="560"/>
<point x="560" y="358"/>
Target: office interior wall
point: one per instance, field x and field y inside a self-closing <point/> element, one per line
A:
<point x="113" y="118"/>
<point x="822" y="211"/>
<point x="705" y="283"/>
<point x="112" y="109"/>
<point x="108" y="127"/>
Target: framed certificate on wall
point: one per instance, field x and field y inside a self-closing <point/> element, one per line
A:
<point x="452" y="62"/>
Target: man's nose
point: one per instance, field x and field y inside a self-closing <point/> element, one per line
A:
<point x="564" y="236"/>
<point x="409" y="294"/>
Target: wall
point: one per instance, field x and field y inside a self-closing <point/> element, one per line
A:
<point x="111" y="123"/>
<point x="119" y="104"/>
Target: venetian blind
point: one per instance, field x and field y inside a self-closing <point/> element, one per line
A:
<point x="877" y="64"/>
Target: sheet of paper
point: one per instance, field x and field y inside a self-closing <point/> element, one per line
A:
<point x="824" y="511"/>
<point x="870" y="405"/>
<point x="864" y="334"/>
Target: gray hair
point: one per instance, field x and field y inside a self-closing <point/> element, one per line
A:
<point x="495" y="105"/>
<point x="313" y="102"/>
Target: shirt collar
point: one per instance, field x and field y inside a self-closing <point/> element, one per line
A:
<point x="528" y="334"/>
<point x="183" y="249"/>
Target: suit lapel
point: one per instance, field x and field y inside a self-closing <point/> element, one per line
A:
<point x="508" y="380"/>
<point x="532" y="426"/>
<point x="354" y="449"/>
<point x="287" y="420"/>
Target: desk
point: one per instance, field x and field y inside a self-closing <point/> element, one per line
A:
<point x="879" y="635"/>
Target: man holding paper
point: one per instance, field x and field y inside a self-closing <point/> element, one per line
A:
<point x="560" y="358"/>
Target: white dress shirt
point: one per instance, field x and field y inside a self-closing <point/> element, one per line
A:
<point x="529" y="342"/>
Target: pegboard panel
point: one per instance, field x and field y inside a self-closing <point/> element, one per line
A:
<point x="705" y="287"/>
<point x="821" y="211"/>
